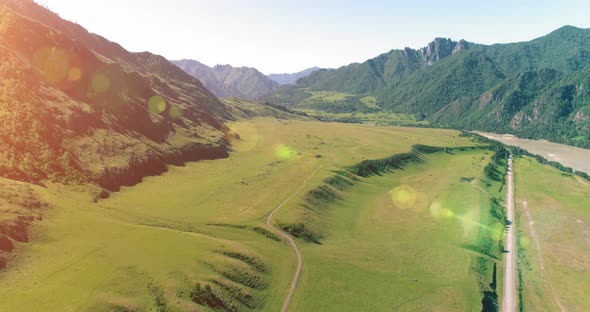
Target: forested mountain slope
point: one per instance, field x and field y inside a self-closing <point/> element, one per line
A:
<point x="535" y="89"/>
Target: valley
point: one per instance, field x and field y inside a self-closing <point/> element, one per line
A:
<point x="170" y="231"/>
<point x="535" y="89"/>
<point x="430" y="232"/>
<point x="411" y="239"/>
<point x="132" y="182"/>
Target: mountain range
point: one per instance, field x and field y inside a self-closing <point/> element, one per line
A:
<point x="287" y="79"/>
<point x="227" y="81"/>
<point x="535" y="89"/>
<point x="241" y="82"/>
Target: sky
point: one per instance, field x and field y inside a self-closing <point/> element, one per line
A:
<point x="284" y="36"/>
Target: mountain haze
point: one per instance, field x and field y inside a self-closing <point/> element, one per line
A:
<point x="283" y="79"/>
<point x="227" y="81"/>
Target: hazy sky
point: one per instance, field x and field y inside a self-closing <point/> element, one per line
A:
<point x="290" y="35"/>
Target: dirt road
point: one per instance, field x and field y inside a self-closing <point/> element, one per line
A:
<point x="509" y="294"/>
<point x="291" y="241"/>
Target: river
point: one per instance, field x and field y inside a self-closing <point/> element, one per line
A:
<point x="569" y="156"/>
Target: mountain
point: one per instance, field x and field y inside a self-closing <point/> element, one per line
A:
<point x="383" y="70"/>
<point x="542" y="102"/>
<point x="76" y="107"/>
<point x="535" y="89"/>
<point x="227" y="81"/>
<point x="284" y="79"/>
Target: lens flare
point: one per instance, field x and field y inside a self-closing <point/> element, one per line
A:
<point x="284" y="152"/>
<point x="525" y="241"/>
<point x="175" y="112"/>
<point x="52" y="63"/>
<point x="100" y="83"/>
<point x="403" y="196"/>
<point x="436" y="209"/>
<point x="467" y="223"/>
<point x="448" y="213"/>
<point x="497" y="231"/>
<point x="157" y="104"/>
<point x="74" y="74"/>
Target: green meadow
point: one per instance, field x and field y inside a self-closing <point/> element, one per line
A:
<point x="554" y="238"/>
<point x="406" y="241"/>
<point x="371" y="118"/>
<point x="197" y="233"/>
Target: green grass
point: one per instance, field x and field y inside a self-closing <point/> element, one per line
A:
<point x="327" y="96"/>
<point x="376" y="256"/>
<point x="376" y="118"/>
<point x="245" y="109"/>
<point x="553" y="237"/>
<point x="370" y="101"/>
<point x="147" y="246"/>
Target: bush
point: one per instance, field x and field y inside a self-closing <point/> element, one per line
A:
<point x="298" y="230"/>
<point x="204" y="295"/>
<point x="267" y="233"/>
<point x="254" y="262"/>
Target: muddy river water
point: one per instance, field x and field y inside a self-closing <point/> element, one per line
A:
<point x="569" y="156"/>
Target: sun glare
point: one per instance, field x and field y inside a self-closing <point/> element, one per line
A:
<point x="74" y="74"/>
<point x="53" y="64"/>
<point x="284" y="152"/>
<point x="175" y="112"/>
<point x="403" y="196"/>
<point x="157" y="104"/>
<point x="100" y="83"/>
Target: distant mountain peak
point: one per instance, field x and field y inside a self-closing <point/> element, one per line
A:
<point x="228" y="81"/>
<point x="570" y="32"/>
<point x="441" y="48"/>
<point x="568" y="28"/>
<point x="286" y="78"/>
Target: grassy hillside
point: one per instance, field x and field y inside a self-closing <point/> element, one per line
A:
<point x="20" y="206"/>
<point x="553" y="219"/>
<point x="244" y="109"/>
<point x="535" y="89"/>
<point x="71" y="114"/>
<point x="543" y="104"/>
<point x="148" y="246"/>
<point x="422" y="236"/>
